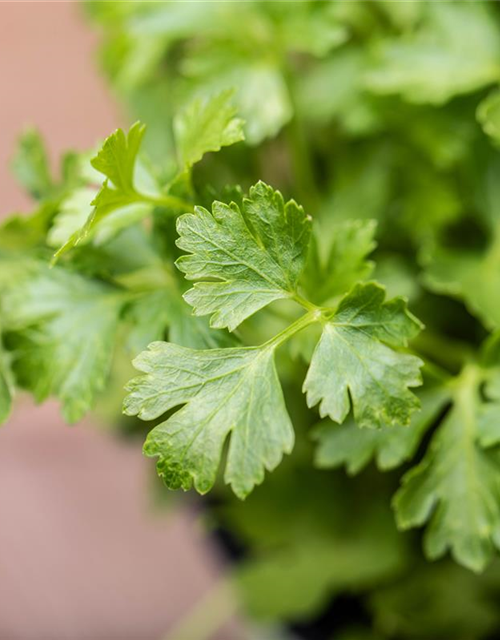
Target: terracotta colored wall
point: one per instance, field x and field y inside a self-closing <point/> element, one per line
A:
<point x="82" y="556"/>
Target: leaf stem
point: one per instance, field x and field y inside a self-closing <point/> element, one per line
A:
<point x="207" y="616"/>
<point x="300" y="151"/>
<point x="301" y="323"/>
<point x="167" y="200"/>
<point x="309" y="306"/>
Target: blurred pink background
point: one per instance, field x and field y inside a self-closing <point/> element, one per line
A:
<point x="83" y="555"/>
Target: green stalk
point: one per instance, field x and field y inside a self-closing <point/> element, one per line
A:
<point x="207" y="615"/>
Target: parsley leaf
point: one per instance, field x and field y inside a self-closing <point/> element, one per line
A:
<point x="223" y="391"/>
<point x="456" y="487"/>
<point x="155" y="311"/>
<point x="129" y="194"/>
<point x="353" y="447"/>
<point x="206" y="125"/>
<point x="355" y="362"/>
<point x="258" y="252"/>
<point x="63" y="329"/>
<point x="332" y="270"/>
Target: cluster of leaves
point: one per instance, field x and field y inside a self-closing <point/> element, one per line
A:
<point x="382" y="119"/>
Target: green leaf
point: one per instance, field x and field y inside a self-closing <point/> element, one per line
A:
<point x="332" y="270"/>
<point x="488" y="115"/>
<point x="252" y="77"/>
<point x="354" y="448"/>
<point x="310" y="538"/>
<point x="455" y="50"/>
<point x="121" y="201"/>
<point x="436" y="601"/>
<point x="63" y="328"/>
<point x="206" y="125"/>
<point x="74" y="212"/>
<point x="31" y="166"/>
<point x="355" y="361"/>
<point x="116" y="160"/>
<point x="6" y="385"/>
<point x="257" y="255"/>
<point x="472" y="276"/>
<point x="223" y="391"/>
<point x="156" y="311"/>
<point x="312" y="27"/>
<point x="456" y="487"/>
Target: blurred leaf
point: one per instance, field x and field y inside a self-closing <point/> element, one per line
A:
<point x="206" y="125"/>
<point x="434" y="602"/>
<point x="6" y="385"/>
<point x="353" y="447"/>
<point x="488" y="114"/>
<point x="455" y="50"/>
<point x="62" y="328"/>
<point x="31" y="165"/>
<point x="332" y="270"/>
<point x="456" y="487"/>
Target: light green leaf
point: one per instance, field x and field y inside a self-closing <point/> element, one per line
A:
<point x="64" y="327"/>
<point x="257" y="255"/>
<point x="355" y="362"/>
<point x="353" y="447"/>
<point x="488" y="115"/>
<point x="116" y="160"/>
<point x="251" y="78"/>
<point x="456" y="487"/>
<point x="223" y="391"/>
<point x="206" y="125"/>
<point x="72" y="216"/>
<point x="334" y="90"/>
<point x="31" y="166"/>
<point x="455" y="50"/>
<point x="312" y="27"/>
<point x="128" y="194"/>
<point x="404" y="15"/>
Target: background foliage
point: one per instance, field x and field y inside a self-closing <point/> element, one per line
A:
<point x="382" y="120"/>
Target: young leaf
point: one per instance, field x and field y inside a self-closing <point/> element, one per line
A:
<point x="257" y="255"/>
<point x="355" y="362"/>
<point x="456" y="487"/>
<point x="206" y="125"/>
<point x="120" y="201"/>
<point x="64" y="327"/>
<point x="116" y="160"/>
<point x="223" y="391"/>
<point x="353" y="447"/>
